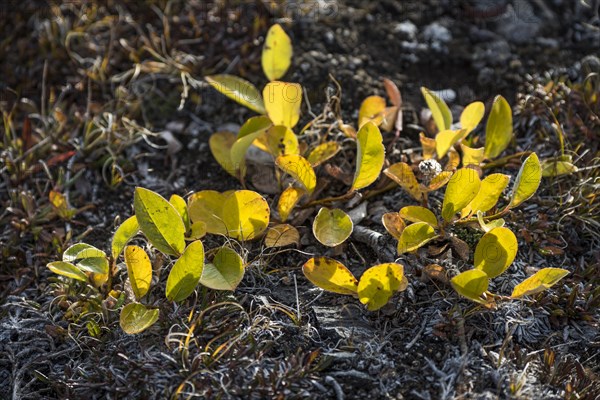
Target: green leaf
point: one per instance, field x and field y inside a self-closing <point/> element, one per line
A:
<point x="186" y="272"/>
<point x="136" y="318"/>
<point x="528" y="180"/>
<point x="139" y="270"/>
<point x="379" y="283"/>
<point x="439" y="109"/>
<point x="498" y="131"/>
<point x="96" y="265"/>
<point x="252" y="129"/>
<point x="332" y="227"/>
<point x="330" y="275"/>
<point x="277" y="53"/>
<point x="489" y="192"/>
<point x="462" y="188"/>
<point x="81" y="250"/>
<point x="238" y="90"/>
<point x="370" y="155"/>
<point x="415" y="236"/>
<point x="128" y="229"/>
<point x="159" y="221"/>
<point x="67" y="269"/>
<point x="181" y="206"/>
<point x="298" y="168"/>
<point x="418" y="214"/>
<point x="540" y="281"/>
<point x="471" y="284"/>
<point x="496" y="251"/>
<point x="225" y="272"/>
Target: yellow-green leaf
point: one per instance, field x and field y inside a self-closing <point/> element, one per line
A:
<point x="277" y="53"/>
<point x="252" y="128"/>
<point x="462" y="188"/>
<point x="246" y="214"/>
<point x="552" y="168"/>
<point x="540" y="281"/>
<point x="239" y="90"/>
<point x="139" y="270"/>
<point x="186" y="272"/>
<point x="415" y="236"/>
<point x="498" y="131"/>
<point x="495" y="251"/>
<point x="96" y="265"/>
<point x="281" y="140"/>
<point x="181" y="206"/>
<point x="323" y="152"/>
<point x="197" y="231"/>
<point x="136" y="318"/>
<point x="298" y="168"/>
<point x="528" y="180"/>
<point x="67" y="269"/>
<point x="393" y="224"/>
<point x="496" y="223"/>
<point x="332" y="227"/>
<point x="471" y="116"/>
<point x="282" y="101"/>
<point x="403" y="175"/>
<point x="418" y="214"/>
<point x="445" y="140"/>
<point x="128" y="229"/>
<point x="282" y="235"/>
<point x="379" y="283"/>
<point x="220" y="144"/>
<point x="330" y="275"/>
<point x="439" y="109"/>
<point x="288" y="200"/>
<point x="159" y="221"/>
<point x="371" y="110"/>
<point x="80" y="251"/>
<point x="471" y="155"/>
<point x="471" y="284"/>
<point x="370" y="155"/>
<point x="207" y="206"/>
<point x="489" y="192"/>
<point x="225" y="272"/>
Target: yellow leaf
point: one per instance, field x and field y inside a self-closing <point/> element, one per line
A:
<point x="332" y="227"/>
<point x="471" y="284"/>
<point x="471" y="116"/>
<point x="135" y="318"/>
<point x="281" y="140"/>
<point x="181" y="206"/>
<point x="277" y="53"/>
<point x="393" y="224"/>
<point x="288" y="200"/>
<point x="239" y="90"/>
<point x="403" y="175"/>
<point x="220" y="144"/>
<point x="496" y="223"/>
<point x="225" y="272"/>
<point x="552" y="168"/>
<point x="538" y="282"/>
<point x="439" y="180"/>
<point x="453" y="160"/>
<point x="330" y="275"/>
<point x="418" y="214"/>
<point x="489" y="192"/>
<point x="428" y="145"/>
<point x="282" y="235"/>
<point x="528" y="180"/>
<point x="252" y="128"/>
<point x="439" y="109"/>
<point x="445" y="140"/>
<point x="67" y="269"/>
<point x="498" y="131"/>
<point x="415" y="236"/>
<point x="389" y="119"/>
<point x="379" y="283"/>
<point x="462" y="188"/>
<point x="495" y="251"/>
<point x="128" y="229"/>
<point x="371" y="110"/>
<point x="246" y="214"/>
<point x="186" y="272"/>
<point x="206" y="206"/>
<point x="322" y="153"/>
<point x="197" y="231"/>
<point x="370" y="155"/>
<point x="139" y="270"/>
<point x="282" y="101"/>
<point x="471" y="155"/>
<point x="298" y="168"/>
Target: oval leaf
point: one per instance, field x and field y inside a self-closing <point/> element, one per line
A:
<point x="471" y="156"/>
<point x="471" y="116"/>
<point x="471" y="284"/>
<point x="282" y="235"/>
<point x="499" y="128"/>
<point x="220" y="144"/>
<point x="287" y="201"/>
<point x="282" y="101"/>
<point x="95" y="265"/>
<point x="252" y="129"/>
<point x="128" y="229"/>
<point x="80" y="251"/>
<point x="186" y="272"/>
<point x="332" y="227"/>
<point x="462" y="188"/>
<point x="206" y="206"/>
<point x="246" y="214"/>
<point x="403" y="175"/>
<point x="323" y="152"/>
<point x="379" y="283"/>
<point x="330" y="275"/>
<point x="239" y="90"/>
<point x="181" y="206"/>
<point x="281" y="140"/>
<point x="445" y="140"/>
<point x="540" y="281"/>
<point x="135" y="318"/>
<point x="439" y="109"/>
<point x="418" y="214"/>
<point x="298" y="168"/>
<point x="528" y="180"/>
<point x="427" y="146"/>
<point x="67" y="269"/>
<point x="139" y="270"/>
<point x="277" y="53"/>
<point x="415" y="236"/>
<point x="489" y="192"/>
<point x="370" y="155"/>
<point x="553" y="168"/>
<point x="371" y="110"/>
<point x="496" y="251"/>
<point x="225" y="272"/>
<point x="393" y="224"/>
<point x="159" y="221"/>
